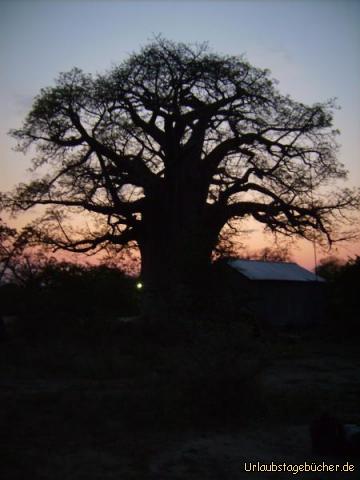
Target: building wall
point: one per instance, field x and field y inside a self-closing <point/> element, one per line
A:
<point x="289" y="303"/>
<point x="282" y="303"/>
<point x="278" y="303"/>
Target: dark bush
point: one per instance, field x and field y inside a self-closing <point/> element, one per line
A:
<point x="343" y="293"/>
<point x="60" y="288"/>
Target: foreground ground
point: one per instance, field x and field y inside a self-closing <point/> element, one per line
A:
<point x="63" y="417"/>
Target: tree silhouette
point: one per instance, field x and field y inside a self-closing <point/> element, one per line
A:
<point x="8" y="248"/>
<point x="13" y="245"/>
<point x="167" y="148"/>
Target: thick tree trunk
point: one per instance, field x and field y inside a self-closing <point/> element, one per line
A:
<point x="175" y="259"/>
<point x="176" y="240"/>
<point x="173" y="269"/>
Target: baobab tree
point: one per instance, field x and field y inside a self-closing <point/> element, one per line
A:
<point x="167" y="148"/>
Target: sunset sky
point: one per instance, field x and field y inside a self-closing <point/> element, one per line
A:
<point x="311" y="47"/>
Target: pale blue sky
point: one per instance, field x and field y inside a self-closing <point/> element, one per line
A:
<point x="311" y="47"/>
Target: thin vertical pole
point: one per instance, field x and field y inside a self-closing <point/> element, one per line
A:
<point x="314" y="237"/>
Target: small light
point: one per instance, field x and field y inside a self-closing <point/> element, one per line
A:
<point x="139" y="285"/>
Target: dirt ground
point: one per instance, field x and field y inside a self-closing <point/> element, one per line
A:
<point x="225" y="456"/>
<point x="70" y="429"/>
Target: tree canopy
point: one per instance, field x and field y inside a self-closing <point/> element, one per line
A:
<point x="168" y="147"/>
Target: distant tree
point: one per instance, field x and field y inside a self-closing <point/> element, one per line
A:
<point x="12" y="247"/>
<point x="275" y="254"/>
<point x="61" y="286"/>
<point x="27" y="267"/>
<point x="38" y="284"/>
<point x="227" y="249"/>
<point x="7" y="249"/>
<point x="343" y="279"/>
<point x="330" y="268"/>
<point x="167" y="148"/>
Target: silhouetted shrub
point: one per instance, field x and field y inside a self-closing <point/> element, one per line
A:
<point x="343" y="293"/>
<point x="11" y="297"/>
<point x="61" y="294"/>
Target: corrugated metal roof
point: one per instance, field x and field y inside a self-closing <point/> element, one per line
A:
<point x="257" y="270"/>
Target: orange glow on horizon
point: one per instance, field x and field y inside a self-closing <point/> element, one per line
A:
<point x="253" y="240"/>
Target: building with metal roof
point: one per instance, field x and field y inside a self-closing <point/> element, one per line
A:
<point x="260" y="270"/>
<point x="279" y="293"/>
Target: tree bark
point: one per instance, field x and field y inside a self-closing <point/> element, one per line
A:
<point x="176" y="243"/>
